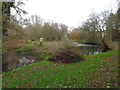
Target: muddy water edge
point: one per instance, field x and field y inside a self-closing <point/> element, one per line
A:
<point x="12" y="60"/>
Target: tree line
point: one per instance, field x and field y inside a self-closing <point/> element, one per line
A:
<point x="98" y="28"/>
<point x="35" y="27"/>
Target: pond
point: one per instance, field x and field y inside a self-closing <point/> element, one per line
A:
<point x="88" y="49"/>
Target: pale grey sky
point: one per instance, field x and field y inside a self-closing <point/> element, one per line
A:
<point x="69" y="12"/>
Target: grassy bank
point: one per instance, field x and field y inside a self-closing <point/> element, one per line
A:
<point x="98" y="70"/>
<point x="34" y="48"/>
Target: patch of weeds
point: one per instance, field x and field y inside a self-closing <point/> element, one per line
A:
<point x="62" y="47"/>
<point x="23" y="49"/>
<point x="42" y="54"/>
<point x="24" y="53"/>
<point x="26" y="48"/>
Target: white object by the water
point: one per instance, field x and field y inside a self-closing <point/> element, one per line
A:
<point x="25" y="60"/>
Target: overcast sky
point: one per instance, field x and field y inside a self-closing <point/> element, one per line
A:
<point x="69" y="12"/>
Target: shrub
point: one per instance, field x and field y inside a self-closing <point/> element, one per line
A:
<point x="68" y="44"/>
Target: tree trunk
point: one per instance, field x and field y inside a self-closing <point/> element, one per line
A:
<point x="103" y="41"/>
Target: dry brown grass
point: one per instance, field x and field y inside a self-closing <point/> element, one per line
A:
<point x="113" y="45"/>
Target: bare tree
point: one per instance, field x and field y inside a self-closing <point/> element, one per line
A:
<point x="98" y="22"/>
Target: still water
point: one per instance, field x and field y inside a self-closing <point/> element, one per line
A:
<point x="88" y="49"/>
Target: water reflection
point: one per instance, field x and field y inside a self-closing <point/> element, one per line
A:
<point x="12" y="60"/>
<point x="87" y="49"/>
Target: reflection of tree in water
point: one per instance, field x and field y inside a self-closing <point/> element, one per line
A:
<point x="90" y="50"/>
<point x="10" y="60"/>
<point x="105" y="49"/>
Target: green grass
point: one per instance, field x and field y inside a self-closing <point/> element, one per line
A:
<point x="98" y="70"/>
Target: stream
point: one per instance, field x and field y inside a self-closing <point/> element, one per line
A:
<point x="12" y="60"/>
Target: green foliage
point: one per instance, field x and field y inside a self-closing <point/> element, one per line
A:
<point x="97" y="71"/>
<point x="26" y="49"/>
<point x="24" y="53"/>
<point x="4" y="49"/>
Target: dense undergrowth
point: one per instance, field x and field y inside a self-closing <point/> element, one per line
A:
<point x="96" y="71"/>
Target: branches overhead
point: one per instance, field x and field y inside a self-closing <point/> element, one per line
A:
<point x="6" y="13"/>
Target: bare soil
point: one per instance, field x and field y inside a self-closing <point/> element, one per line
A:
<point x="66" y="56"/>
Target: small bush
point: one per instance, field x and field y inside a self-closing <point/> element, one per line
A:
<point x="25" y="48"/>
